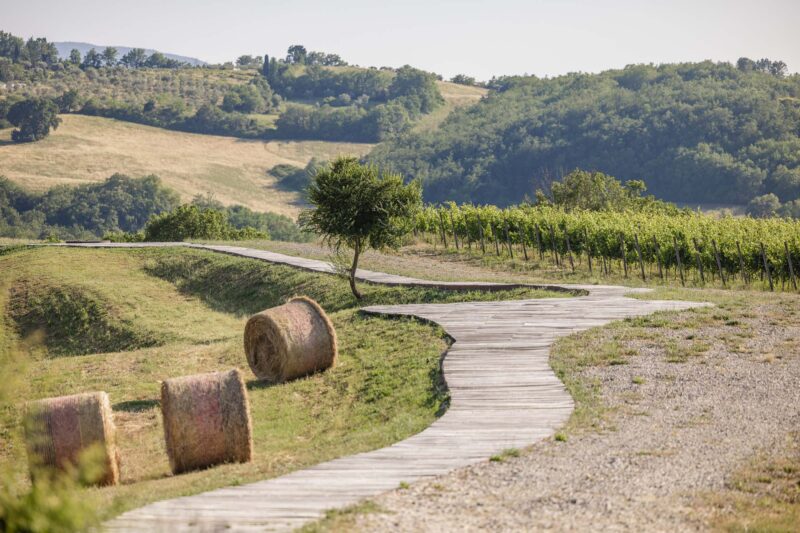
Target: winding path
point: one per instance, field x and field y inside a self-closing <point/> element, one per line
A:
<point x="503" y="395"/>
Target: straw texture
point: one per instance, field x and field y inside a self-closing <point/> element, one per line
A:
<point x="59" y="430"/>
<point x="290" y="341"/>
<point x="206" y="420"/>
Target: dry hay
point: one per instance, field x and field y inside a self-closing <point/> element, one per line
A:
<point x="61" y="432"/>
<point x="290" y="341"/>
<point x="206" y="420"/>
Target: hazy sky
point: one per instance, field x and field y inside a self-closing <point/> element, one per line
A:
<point x="542" y="37"/>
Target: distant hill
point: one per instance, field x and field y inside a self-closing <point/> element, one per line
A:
<point x="694" y="132"/>
<point x="66" y="47"/>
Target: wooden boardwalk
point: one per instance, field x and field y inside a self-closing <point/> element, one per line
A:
<point x="503" y="395"/>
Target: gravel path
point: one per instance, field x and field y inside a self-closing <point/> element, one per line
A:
<point x="677" y="432"/>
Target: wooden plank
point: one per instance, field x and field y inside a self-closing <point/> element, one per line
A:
<point x="503" y="395"/>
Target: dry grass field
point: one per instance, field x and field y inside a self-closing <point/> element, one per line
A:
<point x="85" y="149"/>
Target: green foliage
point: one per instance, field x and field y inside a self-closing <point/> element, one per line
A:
<point x="764" y="206"/>
<point x="255" y="97"/>
<point x="119" y="203"/>
<point x="697" y="132"/>
<point x="463" y="79"/>
<point x="72" y="321"/>
<point x="34" y="118"/>
<point x="416" y="90"/>
<point x="359" y="207"/>
<point x="277" y="227"/>
<point x="354" y="104"/>
<point x="55" y="505"/>
<point x="358" y="105"/>
<point x="658" y="230"/>
<point x="595" y="191"/>
<point x="191" y="222"/>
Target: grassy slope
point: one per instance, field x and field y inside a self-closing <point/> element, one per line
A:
<point x="385" y="387"/>
<point x="87" y="149"/>
<point x="455" y="96"/>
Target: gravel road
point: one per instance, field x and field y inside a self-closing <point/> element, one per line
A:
<point x="676" y="432"/>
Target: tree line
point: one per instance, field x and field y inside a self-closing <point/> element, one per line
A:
<point x="17" y="54"/>
<point x="348" y="104"/>
<point x="121" y="207"/>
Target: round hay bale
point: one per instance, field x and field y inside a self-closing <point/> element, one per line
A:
<point x="59" y="430"/>
<point x="206" y="420"/>
<point x="290" y="341"/>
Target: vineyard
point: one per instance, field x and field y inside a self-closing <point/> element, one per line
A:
<point x="651" y="245"/>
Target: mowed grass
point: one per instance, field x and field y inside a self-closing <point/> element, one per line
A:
<point x="86" y="149"/>
<point x="385" y="387"/>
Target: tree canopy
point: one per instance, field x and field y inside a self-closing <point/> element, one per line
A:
<point x="34" y="118"/>
<point x="119" y="203"/>
<point x="358" y="207"/>
<point x="696" y="132"/>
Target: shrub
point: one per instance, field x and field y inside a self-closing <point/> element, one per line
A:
<point x="192" y="222"/>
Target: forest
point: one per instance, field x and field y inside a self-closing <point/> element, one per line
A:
<point x="696" y="132"/>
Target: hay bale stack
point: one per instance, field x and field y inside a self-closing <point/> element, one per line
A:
<point x="206" y="420"/>
<point x="58" y="431"/>
<point x="290" y="341"/>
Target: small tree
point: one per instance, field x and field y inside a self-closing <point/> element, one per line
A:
<point x="359" y="207"/>
<point x="110" y="56"/>
<point x="764" y="206"/>
<point x="34" y="118"/>
<point x="75" y="56"/>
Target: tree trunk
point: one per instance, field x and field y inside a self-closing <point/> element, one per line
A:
<point x="356" y="254"/>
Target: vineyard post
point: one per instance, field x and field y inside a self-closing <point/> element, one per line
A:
<point x="658" y="257"/>
<point x="791" y="266"/>
<point x="508" y="239"/>
<point x="441" y="223"/>
<point x="624" y="256"/>
<point x="455" y="234"/>
<point x="698" y="260"/>
<point x="496" y="243"/>
<point x="553" y="241"/>
<point x="719" y="263"/>
<point x="480" y="231"/>
<point x="539" y="242"/>
<point x="569" y="251"/>
<point x="678" y="259"/>
<point x="588" y="250"/>
<point x="522" y="236"/>
<point x="745" y="277"/>
<point x="766" y="266"/>
<point x="639" y="254"/>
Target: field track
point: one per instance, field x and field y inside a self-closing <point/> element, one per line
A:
<point x="503" y="395"/>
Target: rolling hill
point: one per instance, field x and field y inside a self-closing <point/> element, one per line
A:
<point x="85" y="149"/>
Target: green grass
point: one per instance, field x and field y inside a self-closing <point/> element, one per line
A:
<point x="505" y="454"/>
<point x="386" y="386"/>
<point x="764" y="496"/>
<point x="341" y="519"/>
